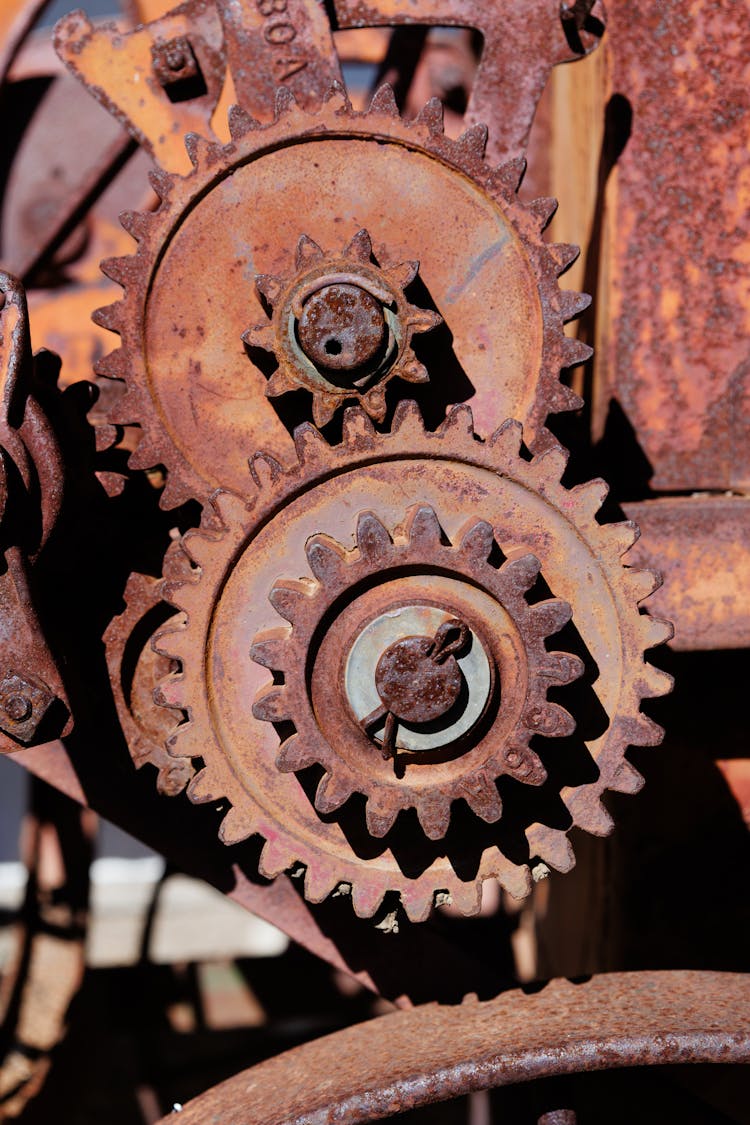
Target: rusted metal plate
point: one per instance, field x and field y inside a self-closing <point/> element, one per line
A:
<point x="409" y="1059"/>
<point x="701" y="545"/>
<point x="674" y="348"/>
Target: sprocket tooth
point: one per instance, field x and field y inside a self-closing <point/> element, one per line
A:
<point x="373" y="540"/>
<point x="174" y="493"/>
<point x="269" y="286"/>
<point x="642" y="584"/>
<point x="472" y="143"/>
<point x="417" y="899"/>
<point x="552" y="846"/>
<point x="270" y="649"/>
<point x="563" y="398"/>
<point x="375" y="404"/>
<point x="432" y="116"/>
<point x="136" y="223"/>
<point x="478" y="540"/>
<point x="510" y="174"/>
<point x="481" y="795"/>
<point x="413" y="371"/>
<point x="563" y="667"/>
<point x="324" y="407"/>
<point x="235" y="827"/>
<point x="358" y="431"/>
<point x="293" y="755"/>
<point x="572" y="304"/>
<point x="655" y="682"/>
<point x="521" y="568"/>
<point x="284" y="102"/>
<point x="360" y="247"/>
<point x="542" y="210"/>
<point x="620" y="537"/>
<point x="274" y="859"/>
<point x="333" y="791"/>
<point x="119" y="269"/>
<point x="514" y="879"/>
<point x="272" y="705"/>
<point x="655" y="630"/>
<point x="114" y="365"/>
<point x="424" y="529"/>
<point x="201" y="151"/>
<point x="574" y="352"/>
<point x="337" y="98"/>
<point x="161" y="182"/>
<point x="402" y="275"/>
<point x="643" y="731"/>
<point x="110" y="317"/>
<point x="144" y="456"/>
<point x="366" y="898"/>
<point x="434" y="815"/>
<point x="589" y="497"/>
<point x="326" y="559"/>
<point x="407" y="420"/>
<point x="240" y="122"/>
<point x="203" y="788"/>
<point x="320" y="882"/>
<point x="311" y="446"/>
<point x="383" y="102"/>
<point x="380" y="816"/>
<point x="505" y="443"/>
<point x="626" y="779"/>
<point x="458" y="423"/>
<point x="307" y="252"/>
<point x="589" y="813"/>
<point x="550" y="465"/>
<point x="287" y="599"/>
<point x="563" y="254"/>
<point x="550" y="616"/>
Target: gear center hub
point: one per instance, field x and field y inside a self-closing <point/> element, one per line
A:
<point x="342" y="328"/>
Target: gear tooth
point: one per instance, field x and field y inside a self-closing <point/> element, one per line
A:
<point x="626" y="779"/>
<point x="542" y="210"/>
<point x="230" y="508"/>
<point x="169" y="691"/>
<point x="161" y="182"/>
<point x="366" y="898"/>
<point x="269" y="286"/>
<point x="360" y="247"/>
<point x="119" y="270"/>
<point x="262" y="336"/>
<point x="380" y="816"/>
<point x="310" y="444"/>
<point x="384" y="102"/>
<point x="643" y="731"/>
<point x="655" y="682"/>
<point x="473" y="142"/>
<point x="620" y="537"/>
<point x="459" y="422"/>
<point x="324" y="407"/>
<point x="373" y="540"/>
<point x="562" y="667"/>
<point x="403" y="274"/>
<point x="521" y="763"/>
<point x="551" y="464"/>
<point x="320" y="881"/>
<point x="589" y="813"/>
<point x="515" y="880"/>
<point x="407" y="420"/>
<point x="265" y="470"/>
<point x="293" y="755"/>
<point x="307" y="252"/>
<point x="358" y="430"/>
<point x="144" y="456"/>
<point x="114" y="365"/>
<point x="549" y="616"/>
<point x="338" y="99"/>
<point x="326" y="560"/>
<point x="412" y="372"/>
<point x="588" y="498"/>
<point x="110" y="317"/>
<point x="284" y="102"/>
<point x="563" y="254"/>
<point x="505" y="443"/>
<point x="197" y="545"/>
<point x="274" y="859"/>
<point x="375" y="404"/>
<point x="574" y="352"/>
<point x="270" y="649"/>
<point x="135" y="223"/>
<point x="642" y="583"/>
<point x="235" y="827"/>
<point x="174" y="493"/>
<point x="552" y="846"/>
<point x="332" y="792"/>
<point x="434" y="814"/>
<point x="551" y="720"/>
<point x="510" y="174"/>
<point x="572" y="304"/>
<point x="481" y="795"/>
<point x="478" y="540"/>
<point x="467" y="897"/>
<point x="195" y="146"/>
<point x="522" y="568"/>
<point x="240" y="122"/>
<point x="417" y="899"/>
<point x="432" y="116"/>
<point x="272" y="705"/>
<point x="423" y="527"/>
<point x="422" y="320"/>
<point x="203" y="789"/>
<point x="286" y="599"/>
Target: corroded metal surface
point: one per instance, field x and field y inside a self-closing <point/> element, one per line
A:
<point x="432" y="1054"/>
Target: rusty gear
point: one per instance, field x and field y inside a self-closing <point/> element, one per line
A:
<point x="224" y="597"/>
<point x="342" y="327"/>
<point x="190" y="288"/>
<point x="415" y="569"/>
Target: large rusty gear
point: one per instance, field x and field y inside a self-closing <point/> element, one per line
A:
<point x="237" y="215"/>
<point x="248" y="543"/>
<point x="437" y="581"/>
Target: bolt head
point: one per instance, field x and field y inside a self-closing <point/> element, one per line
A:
<point x="24" y="701"/>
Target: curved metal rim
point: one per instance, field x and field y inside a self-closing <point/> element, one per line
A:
<point x="429" y="1054"/>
